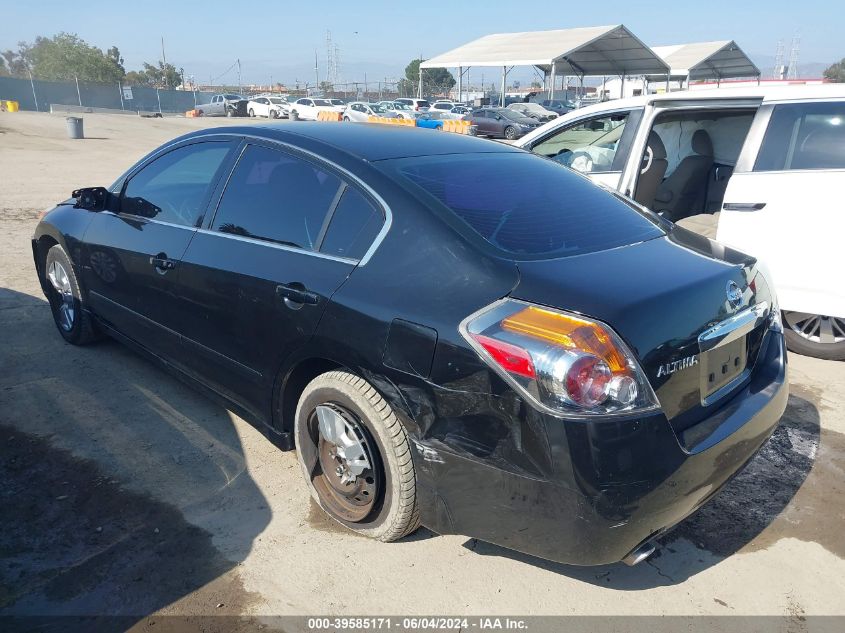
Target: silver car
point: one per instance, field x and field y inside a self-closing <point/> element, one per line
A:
<point x="534" y="110"/>
<point x="360" y="112"/>
<point x="401" y="110"/>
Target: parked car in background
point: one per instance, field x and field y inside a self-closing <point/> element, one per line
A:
<point x="559" y="106"/>
<point x="360" y="112"/>
<point x="530" y="376"/>
<point x="442" y="106"/>
<point x="533" y="110"/>
<point x="337" y="102"/>
<point x="401" y="110"/>
<point x="420" y="105"/>
<point x="502" y="123"/>
<point x="755" y="156"/>
<point x="308" y="108"/>
<point x="224" y="105"/>
<point x="270" y="107"/>
<point x="432" y="120"/>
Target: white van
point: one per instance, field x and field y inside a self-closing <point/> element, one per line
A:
<point x="769" y="163"/>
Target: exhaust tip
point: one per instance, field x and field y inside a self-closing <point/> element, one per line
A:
<point x="640" y="554"/>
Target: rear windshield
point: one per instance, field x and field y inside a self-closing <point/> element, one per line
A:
<point x="525" y="205"/>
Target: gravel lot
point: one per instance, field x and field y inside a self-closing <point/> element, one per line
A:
<point x="126" y="492"/>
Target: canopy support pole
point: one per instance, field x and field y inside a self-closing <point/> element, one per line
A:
<point x="622" y="88"/>
<point x="420" y="96"/>
<point x="460" y="83"/>
<point x="504" y="80"/>
<point x="552" y="82"/>
<point x="667" y="83"/>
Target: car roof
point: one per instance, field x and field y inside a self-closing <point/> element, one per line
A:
<point x="368" y="142"/>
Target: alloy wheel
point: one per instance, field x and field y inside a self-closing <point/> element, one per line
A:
<point x="58" y="277"/>
<point x="815" y="328"/>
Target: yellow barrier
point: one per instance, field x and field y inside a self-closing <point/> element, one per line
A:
<point x="192" y="113"/>
<point x="391" y="121"/>
<point x="327" y="115"/>
<point x="9" y="106"/>
<point x="456" y="125"/>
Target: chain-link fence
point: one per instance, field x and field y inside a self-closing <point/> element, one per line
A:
<point x="39" y="95"/>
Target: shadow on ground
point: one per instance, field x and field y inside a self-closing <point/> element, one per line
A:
<point x="104" y="459"/>
<point x="753" y="511"/>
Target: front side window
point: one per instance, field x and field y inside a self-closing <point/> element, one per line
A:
<point x="174" y="188"/>
<point x="526" y="206"/>
<point x="276" y="197"/>
<point x="589" y="145"/>
<point x="804" y="136"/>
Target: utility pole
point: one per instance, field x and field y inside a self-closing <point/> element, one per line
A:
<point x="164" y="64"/>
<point x="239" y="76"/>
<point x="316" y="70"/>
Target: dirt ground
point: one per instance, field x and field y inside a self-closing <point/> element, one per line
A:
<point x="126" y="492"/>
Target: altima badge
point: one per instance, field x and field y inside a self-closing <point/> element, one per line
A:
<point x="677" y="365"/>
<point x="734" y="294"/>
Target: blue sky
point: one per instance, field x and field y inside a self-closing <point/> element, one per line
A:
<point x="380" y="36"/>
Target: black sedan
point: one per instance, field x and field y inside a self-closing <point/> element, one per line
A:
<point x="449" y="331"/>
<point x="502" y="123"/>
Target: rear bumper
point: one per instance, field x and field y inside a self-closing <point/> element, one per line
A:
<point x="614" y="485"/>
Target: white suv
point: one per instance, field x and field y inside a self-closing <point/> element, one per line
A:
<point x="767" y="164"/>
<point x="419" y="105"/>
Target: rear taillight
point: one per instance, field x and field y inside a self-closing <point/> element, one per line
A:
<point x="564" y="363"/>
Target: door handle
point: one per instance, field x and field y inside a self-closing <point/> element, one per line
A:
<point x="162" y="263"/>
<point x="297" y="293"/>
<point x="743" y="206"/>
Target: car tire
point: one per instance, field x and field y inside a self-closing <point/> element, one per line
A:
<point x="510" y="133"/>
<point x="274" y="114"/>
<point x="800" y="330"/>
<point x="381" y="502"/>
<point x="251" y="113"/>
<point x="72" y="319"/>
<point x="346" y="118"/>
<point x="200" y="113"/>
<point x="230" y="113"/>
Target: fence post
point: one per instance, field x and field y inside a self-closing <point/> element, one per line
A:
<point x="158" y="96"/>
<point x="32" y="83"/>
<point x="120" y="92"/>
<point x="78" y="94"/>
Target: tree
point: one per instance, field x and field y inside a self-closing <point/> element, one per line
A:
<point x="159" y="76"/>
<point x="3" y="70"/>
<point x="836" y="72"/>
<point x="435" y="80"/>
<point x="15" y="63"/>
<point x="67" y="56"/>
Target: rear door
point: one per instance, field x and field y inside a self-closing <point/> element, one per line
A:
<point x="256" y="279"/>
<point x="132" y="256"/>
<point x="783" y="201"/>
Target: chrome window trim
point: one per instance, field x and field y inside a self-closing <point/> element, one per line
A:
<point x="187" y="227"/>
<point x="388" y="212"/>
<point x="281" y="247"/>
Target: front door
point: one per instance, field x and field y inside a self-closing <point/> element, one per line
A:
<point x="254" y="283"/>
<point x="132" y="256"/>
<point x="597" y="146"/>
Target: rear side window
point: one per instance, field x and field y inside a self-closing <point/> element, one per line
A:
<point x="174" y="187"/>
<point x="354" y="225"/>
<point x="804" y="136"/>
<point x="527" y="206"/>
<point x="276" y="197"/>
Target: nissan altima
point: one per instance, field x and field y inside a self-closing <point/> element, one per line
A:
<point x="449" y="331"/>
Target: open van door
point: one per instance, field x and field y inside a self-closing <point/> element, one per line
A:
<point x="783" y="205"/>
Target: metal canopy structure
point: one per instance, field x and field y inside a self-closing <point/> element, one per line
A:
<point x="707" y="60"/>
<point x="590" y="51"/>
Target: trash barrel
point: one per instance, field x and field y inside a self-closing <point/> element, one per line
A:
<point x="74" y="127"/>
<point x="473" y="130"/>
<point x="294" y="116"/>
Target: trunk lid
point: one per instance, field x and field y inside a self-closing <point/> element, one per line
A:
<point x="660" y="296"/>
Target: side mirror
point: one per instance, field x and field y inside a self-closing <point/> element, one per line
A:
<point x="91" y="198"/>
